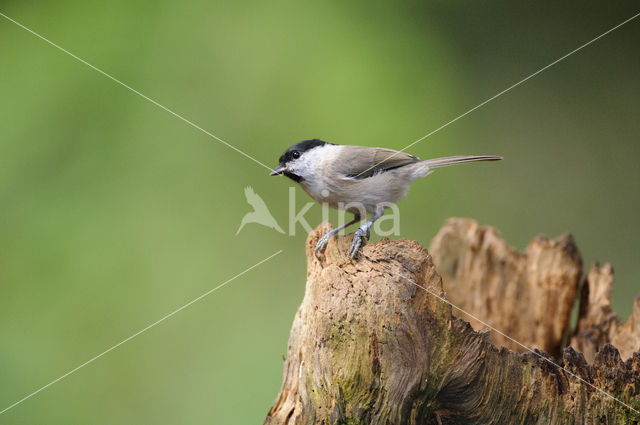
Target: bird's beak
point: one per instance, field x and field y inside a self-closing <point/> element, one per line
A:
<point x="279" y="170"/>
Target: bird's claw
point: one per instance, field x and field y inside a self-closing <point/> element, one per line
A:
<point x="358" y="239"/>
<point x="322" y="244"/>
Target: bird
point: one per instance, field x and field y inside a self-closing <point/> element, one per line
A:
<point x="260" y="213"/>
<point x="358" y="179"/>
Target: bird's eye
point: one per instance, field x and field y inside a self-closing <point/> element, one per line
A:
<point x="295" y="154"/>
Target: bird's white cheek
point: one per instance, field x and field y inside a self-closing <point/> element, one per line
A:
<point x="303" y="171"/>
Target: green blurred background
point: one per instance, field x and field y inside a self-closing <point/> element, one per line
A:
<point x="114" y="213"/>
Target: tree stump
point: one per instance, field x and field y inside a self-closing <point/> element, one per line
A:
<point x="377" y="341"/>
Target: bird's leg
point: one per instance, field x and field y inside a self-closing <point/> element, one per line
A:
<point x="363" y="232"/>
<point x="322" y="243"/>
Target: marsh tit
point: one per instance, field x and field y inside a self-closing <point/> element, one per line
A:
<point x="357" y="179"/>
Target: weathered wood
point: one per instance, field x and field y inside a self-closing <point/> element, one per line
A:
<point x="598" y="324"/>
<point x="528" y="296"/>
<point x="372" y="343"/>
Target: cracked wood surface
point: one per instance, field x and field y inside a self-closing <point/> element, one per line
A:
<point x="368" y="346"/>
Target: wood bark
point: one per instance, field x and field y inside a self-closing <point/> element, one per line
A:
<point x="598" y="324"/>
<point x="375" y="341"/>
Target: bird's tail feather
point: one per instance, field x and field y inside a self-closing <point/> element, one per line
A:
<point x="452" y="160"/>
<point x="426" y="167"/>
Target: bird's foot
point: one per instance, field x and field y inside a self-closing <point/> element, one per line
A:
<point x="322" y="244"/>
<point x="359" y="238"/>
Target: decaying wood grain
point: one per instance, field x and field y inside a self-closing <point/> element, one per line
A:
<point x="368" y="346"/>
<point x="598" y="324"/>
<point x="528" y="296"/>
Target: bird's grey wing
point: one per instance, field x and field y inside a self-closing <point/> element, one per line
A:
<point x="361" y="162"/>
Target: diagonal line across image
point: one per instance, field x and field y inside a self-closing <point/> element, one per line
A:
<point x="269" y="168"/>
<point x="109" y="76"/>
<point x="529" y="349"/>
<point x="577" y="49"/>
<point x="157" y="322"/>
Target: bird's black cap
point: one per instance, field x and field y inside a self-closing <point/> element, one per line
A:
<point x="301" y="147"/>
